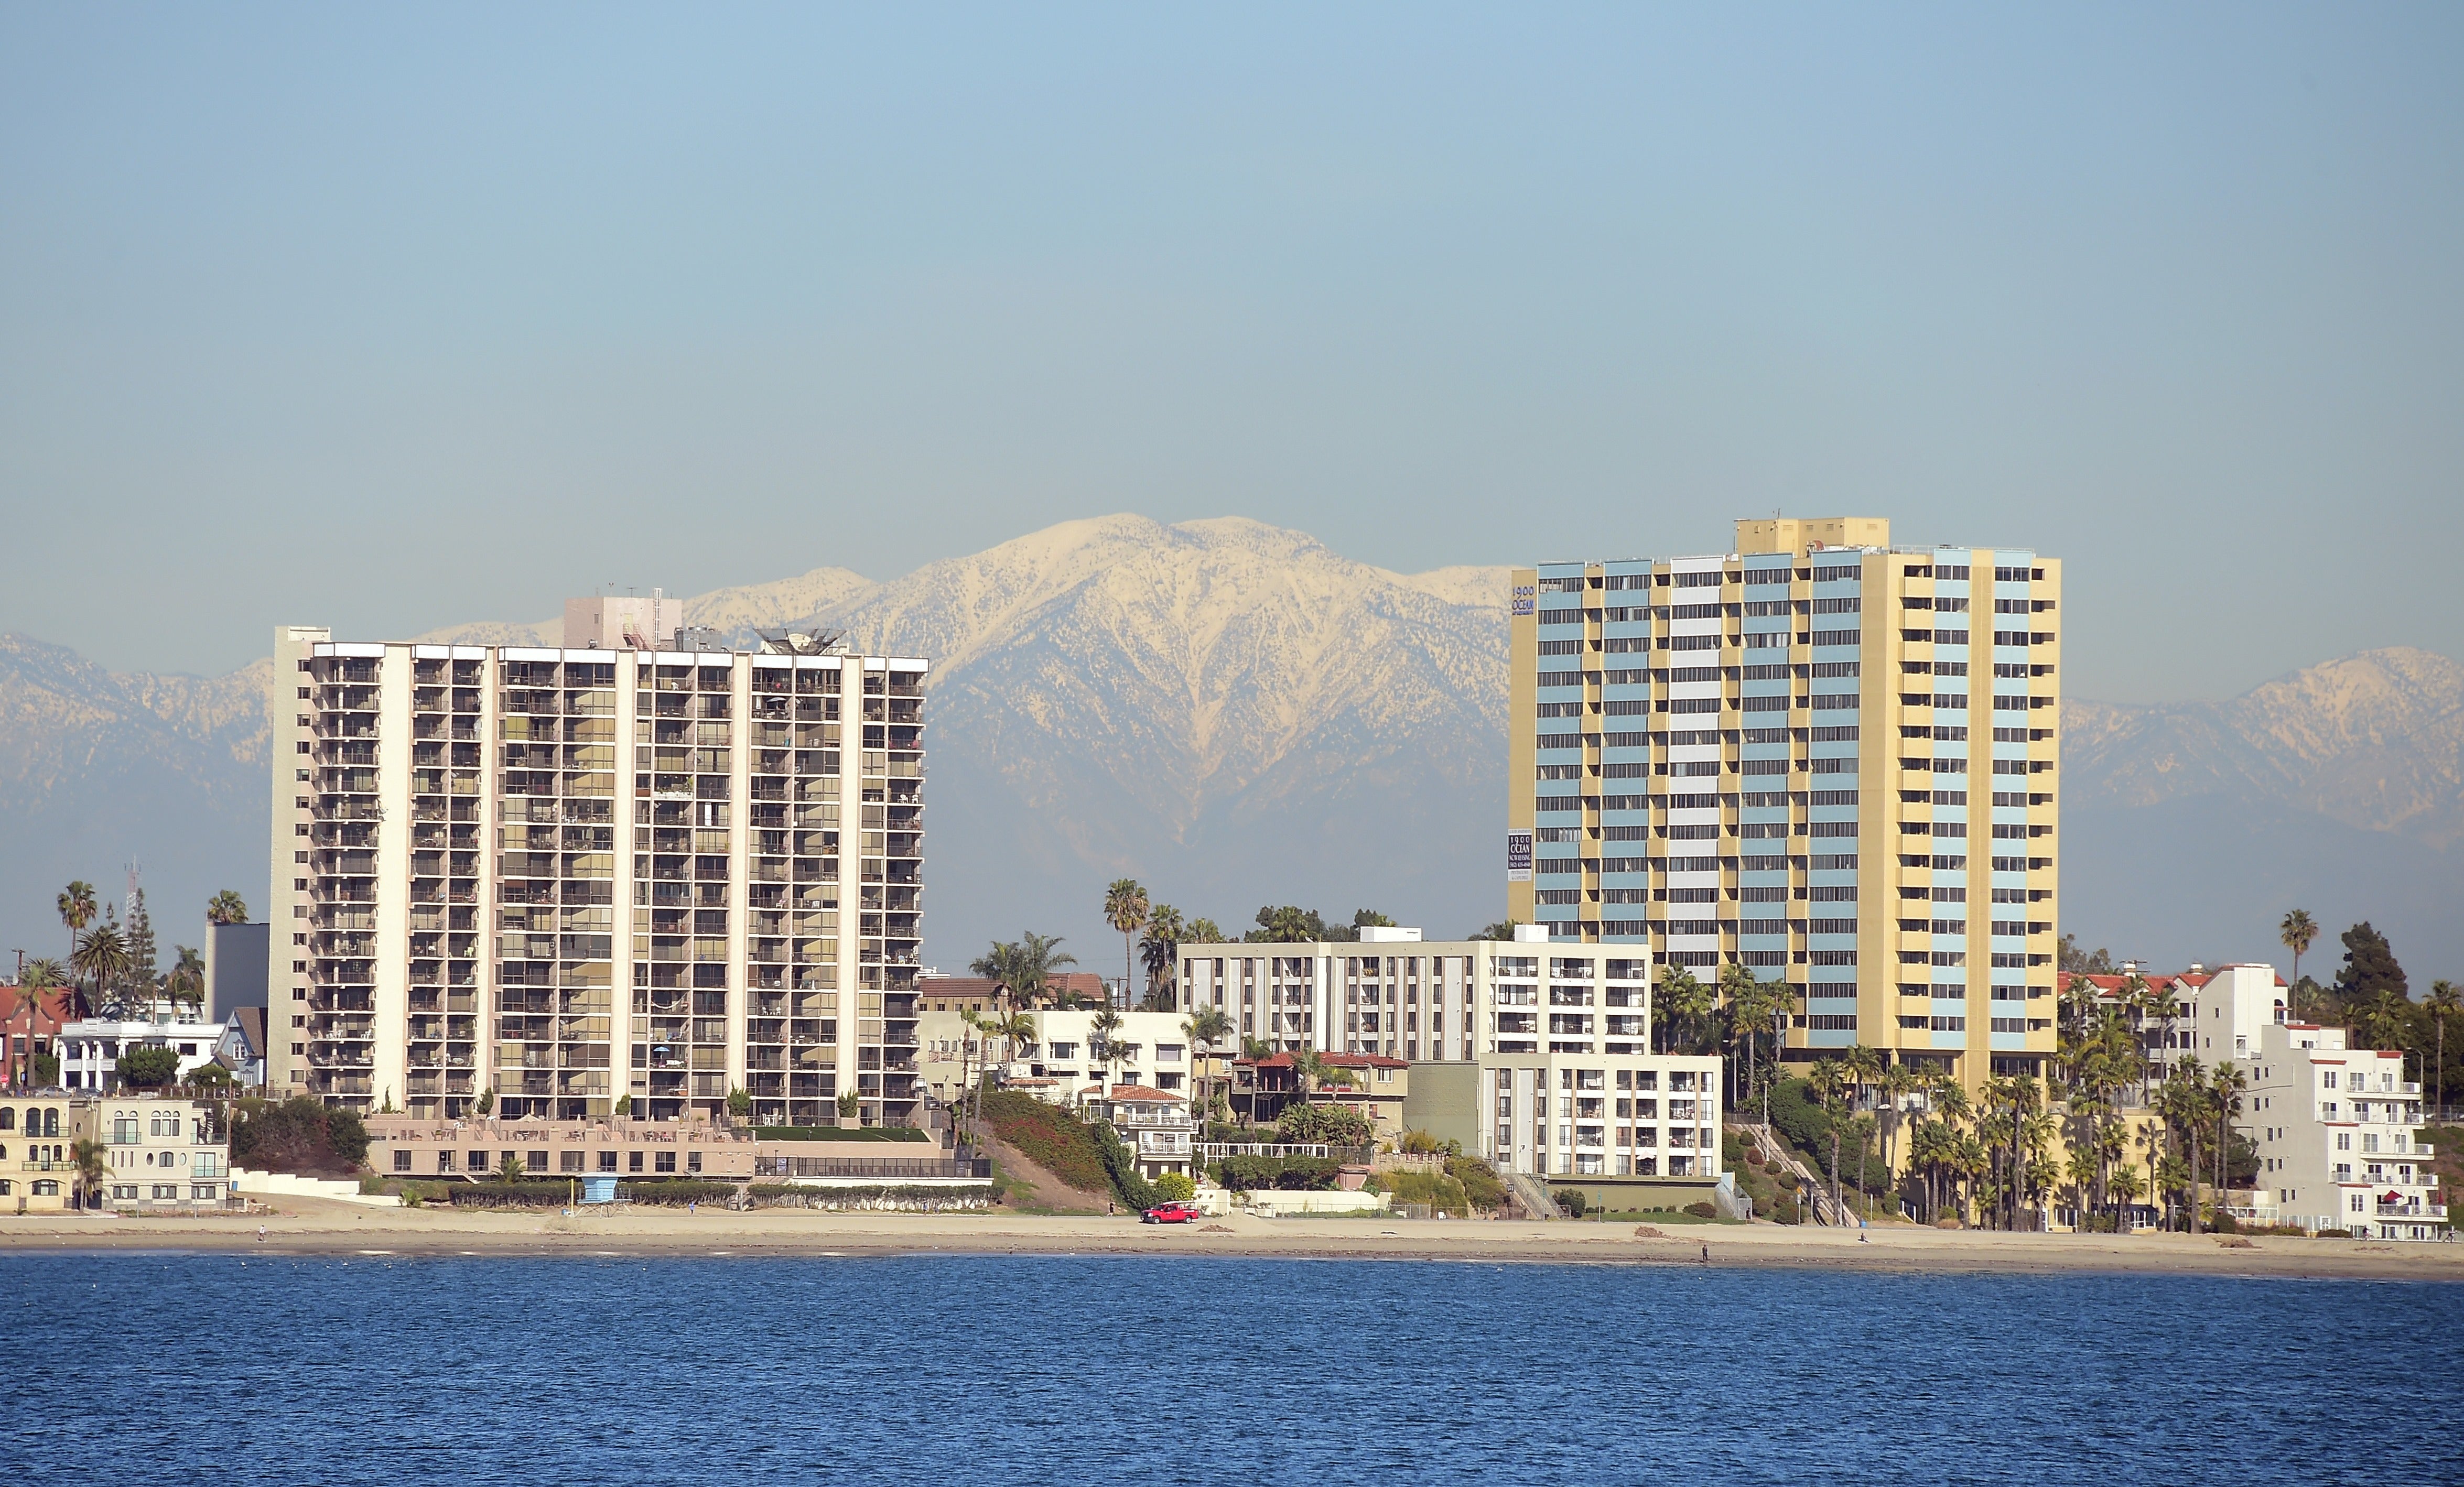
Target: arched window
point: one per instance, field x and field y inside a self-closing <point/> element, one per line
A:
<point x="8" y="1118"/>
<point x="51" y="1121"/>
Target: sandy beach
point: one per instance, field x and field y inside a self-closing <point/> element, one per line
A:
<point x="316" y="1227"/>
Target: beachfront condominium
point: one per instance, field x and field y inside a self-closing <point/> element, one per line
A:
<point x="1550" y="1044"/>
<point x="624" y="876"/>
<point x="2339" y="1134"/>
<point x="1820" y="757"/>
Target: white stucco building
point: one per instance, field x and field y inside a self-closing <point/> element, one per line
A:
<point x="1151" y="1049"/>
<point x="90" y="1050"/>
<point x="1399" y="997"/>
<point x="2337" y="1130"/>
<point x="1601" y="1115"/>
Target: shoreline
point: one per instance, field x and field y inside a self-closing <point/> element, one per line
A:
<point x="306" y="1226"/>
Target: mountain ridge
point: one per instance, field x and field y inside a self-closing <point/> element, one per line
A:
<point x="1236" y="712"/>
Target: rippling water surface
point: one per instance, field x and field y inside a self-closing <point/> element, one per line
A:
<point x="260" y="1368"/>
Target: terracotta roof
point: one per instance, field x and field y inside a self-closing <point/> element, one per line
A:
<point x="956" y="986"/>
<point x="1139" y="1094"/>
<point x="46" y="1007"/>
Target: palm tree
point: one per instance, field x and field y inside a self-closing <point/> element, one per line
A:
<point x="101" y="958"/>
<point x="2037" y="1139"/>
<point x="1024" y="969"/>
<point x="1204" y="1028"/>
<point x="2155" y="1144"/>
<point x="76" y="909"/>
<point x="2224" y="1096"/>
<point x="1106" y="1028"/>
<point x="1865" y="1064"/>
<point x="974" y="1029"/>
<point x="1125" y="909"/>
<point x="1898" y="1081"/>
<point x="1160" y="950"/>
<point x="93" y="1167"/>
<point x="1682" y="1001"/>
<point x="226" y="907"/>
<point x="1828" y="1076"/>
<point x="2160" y="1003"/>
<point x="2382" y="1019"/>
<point x="35" y="977"/>
<point x="1752" y="1003"/>
<point x="2297" y="932"/>
<point x="2443" y="1003"/>
<point x="2124" y="1187"/>
<point x="187" y="982"/>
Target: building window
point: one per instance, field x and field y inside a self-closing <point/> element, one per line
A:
<point x="401" y="1160"/>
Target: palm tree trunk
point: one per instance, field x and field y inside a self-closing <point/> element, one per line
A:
<point x="2194" y="1182"/>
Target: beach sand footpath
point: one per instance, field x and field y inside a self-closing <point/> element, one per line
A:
<point x="307" y="1226"/>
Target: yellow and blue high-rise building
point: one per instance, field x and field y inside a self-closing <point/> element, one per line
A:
<point x="1828" y="760"/>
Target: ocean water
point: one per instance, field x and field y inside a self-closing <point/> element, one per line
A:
<point x="263" y="1368"/>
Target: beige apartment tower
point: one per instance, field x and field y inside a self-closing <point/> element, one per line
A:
<point x="1820" y="757"/>
<point x="613" y="878"/>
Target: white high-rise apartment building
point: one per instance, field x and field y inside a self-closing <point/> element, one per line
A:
<point x="624" y="876"/>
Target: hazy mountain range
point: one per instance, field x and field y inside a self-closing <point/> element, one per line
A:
<point x="1238" y="715"/>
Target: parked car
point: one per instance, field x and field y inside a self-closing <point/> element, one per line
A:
<point x="1170" y="1213"/>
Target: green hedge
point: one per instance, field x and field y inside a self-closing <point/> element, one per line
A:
<point x="840" y="1133"/>
<point x="1266" y="1174"/>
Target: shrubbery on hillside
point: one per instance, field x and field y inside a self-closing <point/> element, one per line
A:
<point x="1050" y="1137"/>
<point x="302" y="1136"/>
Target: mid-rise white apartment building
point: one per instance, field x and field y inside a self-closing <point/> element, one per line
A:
<point x="1602" y="1115"/>
<point x="1392" y="994"/>
<point x="2337" y="1134"/>
<point x="1561" y="1033"/>
<point x="1150" y="1049"/>
<point x="621" y="877"/>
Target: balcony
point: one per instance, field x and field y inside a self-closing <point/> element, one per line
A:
<point x="2421" y="1211"/>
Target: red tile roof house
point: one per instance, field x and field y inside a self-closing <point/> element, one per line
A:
<point x="28" y="1021"/>
<point x="2217" y="1012"/>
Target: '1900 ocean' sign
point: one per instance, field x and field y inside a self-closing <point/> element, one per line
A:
<point x="1518" y="857"/>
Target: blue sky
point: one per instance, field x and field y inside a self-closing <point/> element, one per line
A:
<point x="659" y="296"/>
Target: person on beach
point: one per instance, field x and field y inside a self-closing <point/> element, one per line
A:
<point x="1707" y="1252"/>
